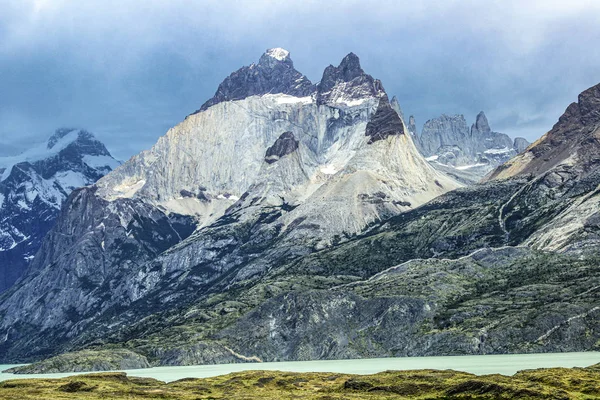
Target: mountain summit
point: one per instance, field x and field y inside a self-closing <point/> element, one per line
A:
<point x="274" y="73"/>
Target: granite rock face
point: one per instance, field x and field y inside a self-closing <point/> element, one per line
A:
<point x="34" y="185"/>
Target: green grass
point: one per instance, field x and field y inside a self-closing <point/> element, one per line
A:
<point x="555" y="383"/>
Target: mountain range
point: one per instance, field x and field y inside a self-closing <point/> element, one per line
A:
<point x="467" y="154"/>
<point x="286" y="220"/>
<point x="33" y="186"/>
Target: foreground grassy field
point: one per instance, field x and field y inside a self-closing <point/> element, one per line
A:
<point x="554" y="383"/>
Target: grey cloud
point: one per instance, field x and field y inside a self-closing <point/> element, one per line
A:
<point x="130" y="70"/>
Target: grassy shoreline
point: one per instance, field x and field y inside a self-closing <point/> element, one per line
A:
<point x="547" y="383"/>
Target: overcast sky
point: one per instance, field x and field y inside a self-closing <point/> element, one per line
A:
<point x="129" y="70"/>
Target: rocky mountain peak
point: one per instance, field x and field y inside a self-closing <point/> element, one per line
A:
<point x="481" y="124"/>
<point x="33" y="186"/>
<point x="347" y="83"/>
<point x="589" y="105"/>
<point x="350" y="67"/>
<point x="275" y="56"/>
<point x="274" y="74"/>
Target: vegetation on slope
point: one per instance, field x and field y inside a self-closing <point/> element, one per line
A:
<point x="555" y="383"/>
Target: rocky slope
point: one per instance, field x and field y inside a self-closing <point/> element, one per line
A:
<point x="33" y="187"/>
<point x="468" y="154"/>
<point x="258" y="176"/>
<point x="535" y="292"/>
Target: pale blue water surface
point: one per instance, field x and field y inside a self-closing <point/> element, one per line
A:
<point x="480" y="365"/>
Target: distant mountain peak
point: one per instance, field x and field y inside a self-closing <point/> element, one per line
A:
<point x="350" y="67"/>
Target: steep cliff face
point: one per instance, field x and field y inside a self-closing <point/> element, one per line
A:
<point x="469" y="154"/>
<point x="33" y="186"/>
<point x="262" y="173"/>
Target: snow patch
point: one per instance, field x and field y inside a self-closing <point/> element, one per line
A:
<point x="503" y="150"/>
<point x="129" y="189"/>
<point x="287" y="99"/>
<point x="463" y="167"/>
<point x="432" y="158"/>
<point x="71" y="180"/>
<point x="98" y="162"/>
<point x="329" y="169"/>
<point x="278" y="53"/>
<point x="351" y="102"/>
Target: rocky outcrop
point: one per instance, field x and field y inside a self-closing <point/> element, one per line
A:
<point x="34" y="185"/>
<point x="412" y="127"/>
<point x="520" y="144"/>
<point x="284" y="145"/>
<point x="385" y="122"/>
<point x="396" y="106"/>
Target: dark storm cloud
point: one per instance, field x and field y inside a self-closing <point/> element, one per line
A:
<point x="129" y="70"/>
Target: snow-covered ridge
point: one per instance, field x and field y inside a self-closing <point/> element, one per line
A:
<point x="39" y="152"/>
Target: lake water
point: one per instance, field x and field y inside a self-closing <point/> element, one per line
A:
<point x="480" y="365"/>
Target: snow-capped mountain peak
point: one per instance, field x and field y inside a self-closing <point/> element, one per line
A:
<point x="278" y="53"/>
<point x="33" y="186"/>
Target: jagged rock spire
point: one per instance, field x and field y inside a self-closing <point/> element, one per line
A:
<point x="396" y="106"/>
<point x="481" y="124"/>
